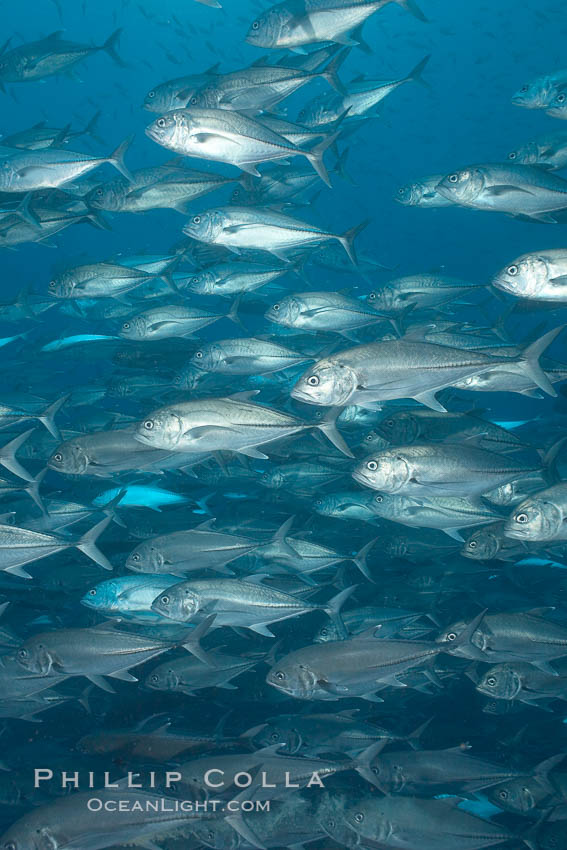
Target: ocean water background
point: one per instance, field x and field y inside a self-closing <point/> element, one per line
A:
<point x="480" y="54"/>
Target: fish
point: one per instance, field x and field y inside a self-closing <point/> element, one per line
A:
<point x="226" y="136"/>
<point x="549" y="151"/>
<point x="542" y="276"/>
<point x="240" y="228"/>
<point x="396" y="369"/>
<point x="36" y="60"/>
<point x="52" y="167"/>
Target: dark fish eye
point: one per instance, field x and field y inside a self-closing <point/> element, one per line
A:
<point x="136" y="557"/>
<point x="313" y="381"/>
<point x="369" y="438"/>
<point x="161" y="122"/>
<point x="400" y="191"/>
<point x="512" y="155"/>
<point x="256" y="25"/>
<point x="451" y="636"/>
<point x="198" y="354"/>
<point x="359" y="817"/>
<point x="165" y="600"/>
<point x="274" y="736"/>
<point x="149" y="424"/>
<point x="276" y="307"/>
<point x="195" y="280"/>
<point x="196" y="219"/>
<point x="151" y="94"/>
<point x="318" y="502"/>
<point x="58" y="457"/>
<point x="473" y="544"/>
<point x="154" y="678"/>
<point x="524" y="89"/>
<point x="210" y="835"/>
<point x="561" y="98"/>
<point x="324" y="632"/>
<point x="503" y="794"/>
<point x="92" y="592"/>
<point x="126" y="326"/>
<point x="372" y="465"/>
<point x="279" y="676"/>
<point x="51" y="284"/>
<point x="522" y="518"/>
<point x="513" y="271"/>
<point x="453" y="178"/>
<point x="372" y="296"/>
<point x="491" y="681"/>
<point x="379" y="499"/>
<point x="23" y="653"/>
<point x="193" y="101"/>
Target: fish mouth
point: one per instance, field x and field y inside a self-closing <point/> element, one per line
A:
<point x="516" y="532"/>
<point x="502" y="283"/>
<point x="301" y="395"/>
<point x="153" y="133"/>
<point x="140" y="437"/>
<point x="359" y="476"/>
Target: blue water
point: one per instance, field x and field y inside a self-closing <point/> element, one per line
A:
<point x="481" y="53"/>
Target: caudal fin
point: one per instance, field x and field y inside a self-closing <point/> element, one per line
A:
<point x="333" y="609"/>
<point x="530" y="360"/>
<point x="360" y="560"/>
<point x="110" y="46"/>
<point x="415" y="76"/>
<point x="330" y="74"/>
<point x="315" y="157"/>
<point x="90" y="129"/>
<point x="87" y="544"/>
<point x="193" y="645"/>
<point x="47" y="416"/>
<point x="116" y="159"/>
<point x="8" y="456"/>
<point x="347" y="240"/>
<point x="329" y="428"/>
<point x="413" y="8"/>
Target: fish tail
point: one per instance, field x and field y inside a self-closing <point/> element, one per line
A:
<point x="415" y="75"/>
<point x="530" y="360"/>
<point x="47" y="416"/>
<point x="110" y="47"/>
<point x="330" y="74"/>
<point x="193" y="645"/>
<point x="347" y="240"/>
<point x="412" y="7"/>
<point x="333" y="609"/>
<point x="90" y="129"/>
<point x="8" y="456"/>
<point x="360" y="559"/>
<point x="116" y="159"/>
<point x="33" y="490"/>
<point x="87" y="544"/>
<point x="315" y="157"/>
<point x="329" y="428"/>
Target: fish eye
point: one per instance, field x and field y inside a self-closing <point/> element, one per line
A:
<point x="359" y="817"/>
<point x="195" y="280"/>
<point x="279" y="676"/>
<point x="400" y="191"/>
<point x="165" y="600"/>
<point x="372" y="465"/>
<point x="256" y="25"/>
<point x="99" y="192"/>
<point x="331" y="823"/>
<point x="473" y="544"/>
<point x="196" y="219"/>
<point x="512" y="155"/>
<point x="522" y="518"/>
<point x="318" y="503"/>
<point x="161" y="122"/>
<point x="560" y="98"/>
<point x="276" y="307"/>
<point x="151" y="94"/>
<point x="51" y="284"/>
<point x="11" y="845"/>
<point x="503" y="794"/>
<point x="513" y="270"/>
<point x="372" y="296"/>
<point x="154" y="678"/>
<point x="210" y="835"/>
<point x="149" y="424"/>
<point x="23" y="653"/>
<point x="451" y="636"/>
<point x="198" y="354"/>
<point x="193" y="101"/>
<point x="491" y="681"/>
<point x="136" y="557"/>
<point x="126" y="326"/>
<point x="524" y="89"/>
<point x="58" y="457"/>
<point x="379" y="499"/>
<point x="274" y="736"/>
<point x="453" y="178"/>
<point x="92" y="592"/>
<point x="313" y="381"/>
